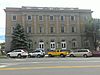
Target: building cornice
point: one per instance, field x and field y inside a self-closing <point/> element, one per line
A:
<point x="47" y="9"/>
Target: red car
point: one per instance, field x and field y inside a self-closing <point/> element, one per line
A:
<point x="96" y="53"/>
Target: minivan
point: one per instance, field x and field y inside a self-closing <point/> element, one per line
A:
<point x="80" y="52"/>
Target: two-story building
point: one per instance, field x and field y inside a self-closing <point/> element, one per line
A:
<point x="50" y="27"/>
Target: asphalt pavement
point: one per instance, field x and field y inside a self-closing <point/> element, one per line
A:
<point x="48" y="66"/>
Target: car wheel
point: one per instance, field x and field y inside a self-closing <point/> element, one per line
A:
<point x="43" y="55"/>
<point x="62" y="55"/>
<point x="19" y="56"/>
<point x="85" y="56"/>
<point x="38" y="56"/>
<point x="29" y="56"/>
<point x="50" y="55"/>
<point x="71" y="55"/>
<point x="8" y="55"/>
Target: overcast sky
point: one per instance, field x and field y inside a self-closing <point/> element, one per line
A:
<point x="94" y="5"/>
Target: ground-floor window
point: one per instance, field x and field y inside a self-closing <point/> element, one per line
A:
<point x="52" y="45"/>
<point x="63" y="44"/>
<point x="74" y="43"/>
<point x="41" y="45"/>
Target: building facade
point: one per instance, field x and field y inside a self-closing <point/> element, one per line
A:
<point x="50" y="27"/>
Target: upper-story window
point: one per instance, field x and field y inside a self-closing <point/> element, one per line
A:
<point x="72" y="18"/>
<point x="29" y="17"/>
<point x="62" y="29"/>
<point x="40" y="17"/>
<point x="62" y="18"/>
<point x="51" y="18"/>
<point x="14" y="18"/>
<point x="51" y="29"/>
<point x="29" y="29"/>
<point x="73" y="29"/>
<point x="40" y="29"/>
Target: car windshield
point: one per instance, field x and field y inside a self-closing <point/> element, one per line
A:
<point x="63" y="50"/>
<point x="73" y="51"/>
<point x="37" y="51"/>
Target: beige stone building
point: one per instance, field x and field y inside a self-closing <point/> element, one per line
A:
<point x="50" y="27"/>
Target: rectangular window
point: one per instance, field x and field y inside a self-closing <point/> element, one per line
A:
<point x="29" y="17"/>
<point x="62" y="18"/>
<point x="40" y="29"/>
<point x="72" y="18"/>
<point x="14" y="18"/>
<point x="73" y="29"/>
<point x="40" y="17"/>
<point x="51" y="17"/>
<point x="62" y="29"/>
<point x="51" y="30"/>
<point x="28" y="29"/>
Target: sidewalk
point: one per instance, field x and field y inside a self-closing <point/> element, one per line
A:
<point x="3" y="56"/>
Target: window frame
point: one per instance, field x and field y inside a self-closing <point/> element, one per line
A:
<point x="73" y="29"/>
<point x="29" y="29"/>
<point x="30" y="17"/>
<point x="72" y="18"/>
<point x="51" y="18"/>
<point x="13" y="18"/>
<point x="62" y="18"/>
<point x="41" y="18"/>
<point x="62" y="29"/>
<point x="51" y="29"/>
<point x="52" y="45"/>
<point x="63" y="44"/>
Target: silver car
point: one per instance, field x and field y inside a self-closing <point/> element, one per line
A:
<point x="18" y="53"/>
<point x="37" y="53"/>
<point x="80" y="52"/>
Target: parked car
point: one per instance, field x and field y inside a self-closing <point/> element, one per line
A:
<point x="18" y="53"/>
<point x="80" y="52"/>
<point x="58" y="52"/>
<point x="37" y="53"/>
<point x="96" y="53"/>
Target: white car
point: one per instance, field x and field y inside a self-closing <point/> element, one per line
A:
<point x="18" y="53"/>
<point x="80" y="52"/>
<point x="37" y="53"/>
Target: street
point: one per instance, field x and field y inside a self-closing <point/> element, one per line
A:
<point x="48" y="66"/>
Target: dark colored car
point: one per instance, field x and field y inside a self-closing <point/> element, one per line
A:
<point x="96" y="53"/>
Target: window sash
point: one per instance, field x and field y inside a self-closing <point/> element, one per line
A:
<point x="14" y="18"/>
<point x="29" y="17"/>
<point x="72" y="18"/>
<point x="51" y="18"/>
<point x="62" y="29"/>
<point x="40" y="17"/>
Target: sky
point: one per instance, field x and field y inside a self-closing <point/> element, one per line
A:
<point x="82" y="4"/>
